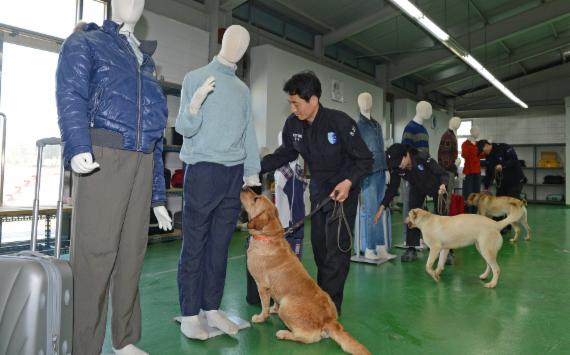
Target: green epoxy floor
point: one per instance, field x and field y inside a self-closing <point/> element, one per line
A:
<point x="396" y="308"/>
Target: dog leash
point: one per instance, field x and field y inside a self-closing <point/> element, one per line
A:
<point x="442" y="208"/>
<point x="293" y="228"/>
<point x="338" y="213"/>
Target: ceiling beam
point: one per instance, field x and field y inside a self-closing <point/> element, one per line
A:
<point x="557" y="72"/>
<point x="385" y="14"/>
<point x="478" y="11"/>
<point x="546" y="13"/>
<point x="229" y="5"/>
<point x="517" y="56"/>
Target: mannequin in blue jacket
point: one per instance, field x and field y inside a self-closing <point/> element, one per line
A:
<point x="112" y="115"/>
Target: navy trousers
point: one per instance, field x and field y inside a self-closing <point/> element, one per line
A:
<point x="472" y="183"/>
<point x="210" y="212"/>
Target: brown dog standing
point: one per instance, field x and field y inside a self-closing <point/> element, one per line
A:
<point x="305" y="309"/>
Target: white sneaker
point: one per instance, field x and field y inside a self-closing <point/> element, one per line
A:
<point x="129" y="350"/>
<point x="369" y="254"/>
<point x="218" y="320"/>
<point x="382" y="252"/>
<point x="192" y="328"/>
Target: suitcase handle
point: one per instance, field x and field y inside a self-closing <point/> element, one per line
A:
<point x="48" y="141"/>
<point x="41" y="143"/>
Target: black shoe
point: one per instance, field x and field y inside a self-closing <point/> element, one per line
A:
<point x="450" y="258"/>
<point x="409" y="255"/>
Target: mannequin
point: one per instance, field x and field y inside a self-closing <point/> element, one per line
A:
<point x="111" y="200"/>
<point x="416" y="135"/>
<point x="447" y="154"/>
<point x="219" y="161"/>
<point x="373" y="186"/>
<point x="472" y="167"/>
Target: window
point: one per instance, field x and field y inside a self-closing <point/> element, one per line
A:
<point x="53" y="18"/>
<point x="463" y="132"/>
<point x="94" y="11"/>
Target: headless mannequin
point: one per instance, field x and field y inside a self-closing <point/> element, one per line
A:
<point x="128" y="13"/>
<point x="365" y="104"/>
<point x="234" y="45"/>
<point x="423" y="112"/>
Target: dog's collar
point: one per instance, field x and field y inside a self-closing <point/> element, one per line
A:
<point x="262" y="237"/>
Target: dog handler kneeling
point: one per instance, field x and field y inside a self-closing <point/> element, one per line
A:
<point x="426" y="178"/>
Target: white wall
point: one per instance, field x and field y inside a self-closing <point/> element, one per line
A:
<point x="532" y="126"/>
<point x="181" y="48"/>
<point x="271" y="67"/>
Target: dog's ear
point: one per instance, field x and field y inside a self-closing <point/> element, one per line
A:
<point x="259" y="221"/>
<point x="414" y="214"/>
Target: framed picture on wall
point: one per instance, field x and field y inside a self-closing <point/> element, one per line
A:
<point x="337" y="91"/>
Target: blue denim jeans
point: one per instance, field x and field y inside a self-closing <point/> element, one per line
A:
<point x="373" y="188"/>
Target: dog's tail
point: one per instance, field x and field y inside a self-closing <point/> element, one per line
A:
<point x="515" y="214"/>
<point x="345" y="340"/>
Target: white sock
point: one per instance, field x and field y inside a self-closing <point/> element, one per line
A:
<point x="218" y="320"/>
<point x="129" y="350"/>
<point x="192" y="328"/>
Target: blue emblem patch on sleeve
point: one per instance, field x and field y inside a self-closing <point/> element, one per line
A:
<point x="421" y="167"/>
<point x="332" y="137"/>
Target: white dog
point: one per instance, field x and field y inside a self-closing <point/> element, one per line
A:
<point x="441" y="233"/>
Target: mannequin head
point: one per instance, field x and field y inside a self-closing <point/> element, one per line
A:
<point x="234" y="43"/>
<point x="127" y="12"/>
<point x="423" y="110"/>
<point x="365" y="104"/>
<point x="454" y="123"/>
<point x="475" y="132"/>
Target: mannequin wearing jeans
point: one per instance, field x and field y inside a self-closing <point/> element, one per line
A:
<point x="221" y="153"/>
<point x="372" y="238"/>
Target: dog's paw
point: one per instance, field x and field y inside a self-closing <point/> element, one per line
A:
<point x="527" y="238"/>
<point x="513" y="239"/>
<point x="490" y="284"/>
<point x="483" y="276"/>
<point x="283" y="334"/>
<point x="259" y="318"/>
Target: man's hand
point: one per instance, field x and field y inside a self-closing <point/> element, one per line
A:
<point x="442" y="189"/>
<point x="499" y="168"/>
<point x="340" y="192"/>
<point x="379" y="214"/>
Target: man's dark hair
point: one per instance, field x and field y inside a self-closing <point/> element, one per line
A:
<point x="396" y="152"/>
<point x="304" y="84"/>
<point x="481" y="144"/>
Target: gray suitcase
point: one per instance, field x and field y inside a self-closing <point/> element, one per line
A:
<point x="36" y="292"/>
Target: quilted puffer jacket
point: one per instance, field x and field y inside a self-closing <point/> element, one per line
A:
<point x="105" y="98"/>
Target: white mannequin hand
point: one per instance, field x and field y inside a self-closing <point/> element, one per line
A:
<point x="458" y="162"/>
<point x="201" y="94"/>
<point x="387" y="176"/>
<point x="252" y="180"/>
<point x="83" y="163"/>
<point x="164" y="220"/>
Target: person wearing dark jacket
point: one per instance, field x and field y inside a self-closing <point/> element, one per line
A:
<point x="426" y="178"/>
<point x="504" y="167"/>
<point x="337" y="158"/>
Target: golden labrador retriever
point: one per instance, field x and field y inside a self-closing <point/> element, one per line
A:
<point x="441" y="233"/>
<point x="497" y="206"/>
<point x="305" y="309"/>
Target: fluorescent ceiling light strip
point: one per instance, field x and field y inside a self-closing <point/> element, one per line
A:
<point x="412" y="11"/>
